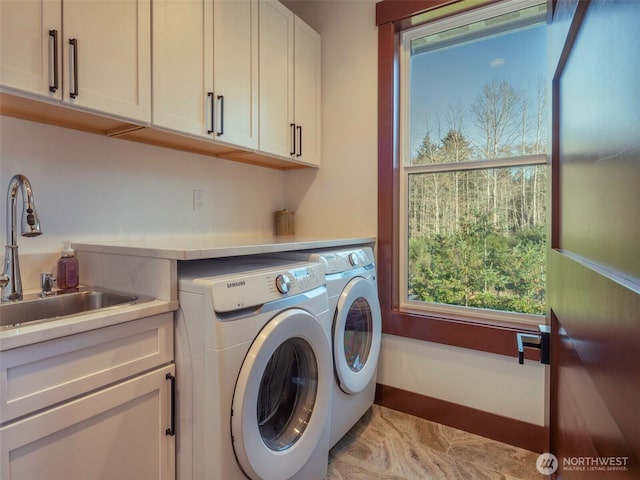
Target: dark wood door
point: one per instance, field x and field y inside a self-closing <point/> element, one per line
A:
<point x="594" y="263"/>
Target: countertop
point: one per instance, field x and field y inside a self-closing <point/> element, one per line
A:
<point x="191" y="248"/>
<point x="28" y="333"/>
<point x="196" y="248"/>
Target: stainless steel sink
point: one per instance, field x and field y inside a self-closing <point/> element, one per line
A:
<point x="38" y="309"/>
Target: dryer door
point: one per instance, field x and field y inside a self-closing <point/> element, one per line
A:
<point x="357" y="330"/>
<point x="283" y="395"/>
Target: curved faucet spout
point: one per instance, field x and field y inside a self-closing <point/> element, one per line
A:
<point x="30" y="227"/>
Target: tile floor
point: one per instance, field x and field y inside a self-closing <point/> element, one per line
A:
<point x="389" y="445"/>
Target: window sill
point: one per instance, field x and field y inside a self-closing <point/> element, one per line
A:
<point x="495" y="337"/>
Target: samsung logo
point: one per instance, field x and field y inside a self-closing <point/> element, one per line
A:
<point x="236" y="284"/>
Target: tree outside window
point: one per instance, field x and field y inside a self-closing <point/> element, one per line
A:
<point x="474" y="157"/>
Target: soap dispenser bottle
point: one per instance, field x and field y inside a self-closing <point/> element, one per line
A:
<point x="67" y="274"/>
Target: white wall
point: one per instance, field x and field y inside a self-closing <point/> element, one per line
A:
<point x="487" y="382"/>
<point x="92" y="188"/>
<point x="342" y="197"/>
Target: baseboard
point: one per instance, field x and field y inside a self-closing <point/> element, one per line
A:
<point x="503" y="429"/>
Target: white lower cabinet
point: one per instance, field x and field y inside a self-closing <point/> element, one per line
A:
<point x="116" y="433"/>
<point x="121" y="430"/>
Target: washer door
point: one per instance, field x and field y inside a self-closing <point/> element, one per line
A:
<point x="282" y="398"/>
<point x="356" y="335"/>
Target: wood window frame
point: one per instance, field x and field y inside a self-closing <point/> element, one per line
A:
<point x="392" y="17"/>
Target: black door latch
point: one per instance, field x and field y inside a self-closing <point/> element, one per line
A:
<point x="541" y="341"/>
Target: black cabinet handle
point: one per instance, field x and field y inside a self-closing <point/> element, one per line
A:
<point x="211" y="112"/>
<point x="293" y="139"/>
<point x="221" y="100"/>
<point x="73" y="93"/>
<point x="53" y="55"/>
<point x="299" y="128"/>
<point x="172" y="429"/>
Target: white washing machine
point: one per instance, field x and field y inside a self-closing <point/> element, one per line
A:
<point x="254" y="370"/>
<point x="356" y="330"/>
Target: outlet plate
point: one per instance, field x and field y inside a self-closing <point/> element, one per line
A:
<point x="198" y="199"/>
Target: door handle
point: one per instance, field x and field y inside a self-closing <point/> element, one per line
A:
<point x="293" y="139"/>
<point x="540" y="341"/>
<point x="73" y="44"/>
<point x="171" y="431"/>
<point x="299" y="128"/>
<point x="212" y="112"/>
<point x="53" y="57"/>
<point x="221" y="130"/>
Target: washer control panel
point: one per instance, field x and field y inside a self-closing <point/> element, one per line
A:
<point x="283" y="283"/>
<point x="249" y="289"/>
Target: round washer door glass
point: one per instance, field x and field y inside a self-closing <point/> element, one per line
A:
<point x="287" y="394"/>
<point x="356" y="335"/>
<point x="282" y="396"/>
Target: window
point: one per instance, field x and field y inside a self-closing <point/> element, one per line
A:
<point x="472" y="175"/>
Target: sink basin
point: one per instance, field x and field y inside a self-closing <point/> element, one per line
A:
<point x="63" y="305"/>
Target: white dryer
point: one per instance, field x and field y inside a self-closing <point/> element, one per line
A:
<point x="356" y="330"/>
<point x="254" y="370"/>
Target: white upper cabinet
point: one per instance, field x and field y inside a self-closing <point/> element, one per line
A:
<point x="307" y="79"/>
<point x="30" y="41"/>
<point x="205" y="69"/>
<point x="238" y="79"/>
<point x="100" y="60"/>
<point x="277" y="126"/>
<point x="182" y="65"/>
<point x="289" y="85"/>
<point x="235" y="72"/>
<point x="107" y="56"/>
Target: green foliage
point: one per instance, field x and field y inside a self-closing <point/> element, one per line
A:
<point x="478" y="266"/>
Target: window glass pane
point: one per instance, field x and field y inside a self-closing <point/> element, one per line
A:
<point x="476" y="92"/>
<point x="477" y="238"/>
<point x="479" y="88"/>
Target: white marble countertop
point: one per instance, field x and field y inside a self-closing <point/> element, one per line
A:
<point x="196" y="248"/>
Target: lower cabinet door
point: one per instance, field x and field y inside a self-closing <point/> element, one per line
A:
<point x="119" y="432"/>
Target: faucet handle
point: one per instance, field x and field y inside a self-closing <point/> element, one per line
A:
<point x="46" y="284"/>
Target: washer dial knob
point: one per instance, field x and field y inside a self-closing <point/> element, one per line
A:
<point x="353" y="259"/>
<point x="283" y="283"/>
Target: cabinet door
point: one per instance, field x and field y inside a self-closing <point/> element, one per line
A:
<point x="28" y="51"/>
<point x="37" y="376"/>
<point x="183" y="65"/>
<point x="236" y="72"/>
<point x="118" y="432"/>
<point x="276" y="79"/>
<point x="109" y="70"/>
<point x="307" y="80"/>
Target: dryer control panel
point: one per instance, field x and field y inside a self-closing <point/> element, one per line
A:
<point x="250" y="289"/>
<point x="343" y="260"/>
